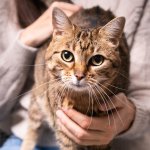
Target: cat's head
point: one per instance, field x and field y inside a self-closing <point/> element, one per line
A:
<point x="80" y="58"/>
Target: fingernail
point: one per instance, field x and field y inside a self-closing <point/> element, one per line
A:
<point x="58" y="113"/>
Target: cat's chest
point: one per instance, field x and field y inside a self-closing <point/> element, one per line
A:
<point x="83" y="103"/>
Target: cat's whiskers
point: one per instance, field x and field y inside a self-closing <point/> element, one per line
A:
<point x="103" y="99"/>
<point x="114" y="121"/>
<point x="24" y="66"/>
<point x="62" y="90"/>
<point x="35" y="88"/>
<point x="117" y="97"/>
<point x="116" y="87"/>
<point x="112" y="103"/>
<point x="59" y="95"/>
<point x="70" y="90"/>
<point x="58" y="92"/>
<point x="53" y="84"/>
<point x="93" y="94"/>
<point x="49" y="104"/>
<point x="92" y="110"/>
<point x="34" y="65"/>
<point x="67" y="91"/>
<point x="123" y="75"/>
<point x="114" y="94"/>
<point x="96" y="98"/>
<point x="91" y="98"/>
<point x="88" y="109"/>
<point x="105" y="103"/>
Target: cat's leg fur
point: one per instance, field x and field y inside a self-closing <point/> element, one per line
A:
<point x="35" y="123"/>
<point x="64" y="142"/>
<point x="30" y="139"/>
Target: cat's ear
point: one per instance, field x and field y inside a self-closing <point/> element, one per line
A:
<point x="61" y="23"/>
<point x="113" y="30"/>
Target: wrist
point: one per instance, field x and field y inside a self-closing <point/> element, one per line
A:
<point x="27" y="39"/>
<point x="34" y="37"/>
<point x="25" y="46"/>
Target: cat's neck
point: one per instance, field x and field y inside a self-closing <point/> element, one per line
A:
<point x="82" y="102"/>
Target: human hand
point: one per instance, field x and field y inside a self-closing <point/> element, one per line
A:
<point x="100" y="130"/>
<point x="41" y="29"/>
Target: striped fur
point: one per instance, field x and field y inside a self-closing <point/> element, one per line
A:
<point x="85" y="34"/>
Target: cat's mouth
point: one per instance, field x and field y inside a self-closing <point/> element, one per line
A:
<point x="78" y="86"/>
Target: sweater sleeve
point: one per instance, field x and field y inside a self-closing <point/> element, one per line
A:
<point x="14" y="68"/>
<point x="139" y="91"/>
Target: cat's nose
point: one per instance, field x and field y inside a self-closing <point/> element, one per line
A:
<point x="80" y="76"/>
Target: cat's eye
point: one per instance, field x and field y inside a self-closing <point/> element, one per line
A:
<point x="67" y="56"/>
<point x="96" y="60"/>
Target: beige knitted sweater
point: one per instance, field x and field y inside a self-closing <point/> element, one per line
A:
<point x="14" y="56"/>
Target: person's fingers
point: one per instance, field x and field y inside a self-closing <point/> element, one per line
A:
<point x="74" y="138"/>
<point x="66" y="6"/>
<point x="101" y="140"/>
<point x="94" y="123"/>
<point x="75" y="129"/>
<point x="68" y="12"/>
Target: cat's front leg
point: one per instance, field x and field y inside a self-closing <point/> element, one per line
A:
<point x="64" y="142"/>
<point x="30" y="139"/>
<point x="35" y="124"/>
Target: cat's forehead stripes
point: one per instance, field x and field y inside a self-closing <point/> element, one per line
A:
<point x="83" y="39"/>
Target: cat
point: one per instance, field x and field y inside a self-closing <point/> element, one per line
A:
<point x="87" y="57"/>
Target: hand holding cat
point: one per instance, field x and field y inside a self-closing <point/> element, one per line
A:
<point x="85" y="130"/>
<point x="41" y="29"/>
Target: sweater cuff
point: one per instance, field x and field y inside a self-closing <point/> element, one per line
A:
<point x="33" y="49"/>
<point x="140" y="123"/>
<point x="23" y="54"/>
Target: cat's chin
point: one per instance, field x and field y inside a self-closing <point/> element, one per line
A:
<point x="77" y="87"/>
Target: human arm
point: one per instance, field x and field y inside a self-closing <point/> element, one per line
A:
<point x="19" y="55"/>
<point x="13" y="73"/>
